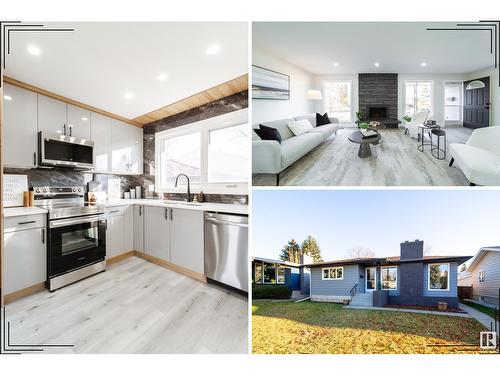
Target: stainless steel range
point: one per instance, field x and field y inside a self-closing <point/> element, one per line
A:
<point x="76" y="235"/>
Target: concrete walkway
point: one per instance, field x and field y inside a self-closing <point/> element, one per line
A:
<point x="461" y="315"/>
<point x="482" y="318"/>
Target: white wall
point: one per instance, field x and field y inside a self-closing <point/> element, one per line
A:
<point x="438" y="92"/>
<point x="494" y="92"/>
<point x="300" y="81"/>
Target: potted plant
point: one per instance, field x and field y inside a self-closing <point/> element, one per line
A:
<point x="407" y="117"/>
<point x="360" y="115"/>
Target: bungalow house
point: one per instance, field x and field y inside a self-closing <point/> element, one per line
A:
<point x="483" y="274"/>
<point x="408" y="279"/>
<point x="294" y="275"/>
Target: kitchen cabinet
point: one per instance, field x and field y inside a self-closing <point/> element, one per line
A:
<point x="78" y="120"/>
<point x="51" y="115"/>
<point x="20" y="127"/>
<point x="186" y="239"/>
<point x="136" y="141"/>
<point x="126" y="148"/>
<point x="25" y="255"/>
<point x="119" y="232"/>
<point x="157" y="232"/>
<point x="139" y="228"/>
<point x="100" y="133"/>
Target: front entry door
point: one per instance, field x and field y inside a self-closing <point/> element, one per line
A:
<point x="477" y="103"/>
<point x="371" y="279"/>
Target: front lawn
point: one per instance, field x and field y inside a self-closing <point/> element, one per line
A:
<point x="312" y="327"/>
<point x="484" y="309"/>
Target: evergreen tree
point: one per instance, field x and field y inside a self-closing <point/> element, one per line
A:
<point x="291" y="252"/>
<point x="310" y="247"/>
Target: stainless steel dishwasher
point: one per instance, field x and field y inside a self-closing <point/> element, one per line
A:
<point x="226" y="249"/>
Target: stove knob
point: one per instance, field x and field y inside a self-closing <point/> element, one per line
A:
<point x="79" y="189"/>
<point x="74" y="190"/>
<point x="37" y="190"/>
<point x="44" y="190"/>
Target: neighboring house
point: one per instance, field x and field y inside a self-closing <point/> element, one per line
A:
<point x="464" y="279"/>
<point x="484" y="271"/>
<point x="408" y="279"/>
<point x="271" y="271"/>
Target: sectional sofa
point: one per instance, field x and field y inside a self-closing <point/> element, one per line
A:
<point x="271" y="157"/>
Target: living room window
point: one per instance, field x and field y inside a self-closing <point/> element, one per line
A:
<point x="338" y="99"/>
<point x="439" y="276"/>
<point x="389" y="276"/>
<point x="269" y="273"/>
<point x="333" y="273"/>
<point x="281" y="274"/>
<point x="213" y="153"/>
<point x="418" y="96"/>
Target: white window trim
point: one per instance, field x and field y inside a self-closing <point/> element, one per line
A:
<point x="366" y="278"/>
<point x="420" y="80"/>
<point x="275" y="273"/>
<point x="284" y="274"/>
<point x="235" y="118"/>
<point x="429" y="277"/>
<point x="351" y="97"/>
<point x="330" y="268"/>
<point x="479" y="276"/>
<point x="382" y="281"/>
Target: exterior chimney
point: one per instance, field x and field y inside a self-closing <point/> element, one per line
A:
<point x="412" y="250"/>
<point x="306" y="259"/>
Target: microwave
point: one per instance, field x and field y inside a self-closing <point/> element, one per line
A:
<point x="65" y="151"/>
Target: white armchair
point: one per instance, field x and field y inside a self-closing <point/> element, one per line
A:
<point x="479" y="158"/>
<point x="418" y="118"/>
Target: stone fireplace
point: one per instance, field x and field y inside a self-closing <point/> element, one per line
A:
<point x="378" y="97"/>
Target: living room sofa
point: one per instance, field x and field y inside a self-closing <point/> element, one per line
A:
<point x="271" y="157"/>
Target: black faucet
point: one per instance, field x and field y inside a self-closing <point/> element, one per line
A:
<point x="188" y="199"/>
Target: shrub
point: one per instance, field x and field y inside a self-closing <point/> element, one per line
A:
<point x="260" y="291"/>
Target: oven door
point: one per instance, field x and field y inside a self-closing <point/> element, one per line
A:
<point x="75" y="243"/>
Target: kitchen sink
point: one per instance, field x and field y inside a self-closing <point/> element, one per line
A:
<point x="182" y="203"/>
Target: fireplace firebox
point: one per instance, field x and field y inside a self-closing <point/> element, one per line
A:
<point x="377" y="112"/>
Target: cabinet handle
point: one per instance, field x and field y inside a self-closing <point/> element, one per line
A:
<point x="27" y="222"/>
<point x="166" y="213"/>
<point x="114" y="211"/>
<point x="43" y="235"/>
<point x="64" y="129"/>
<point x="34" y="158"/>
<point x="140" y="210"/>
<point x="171" y="214"/>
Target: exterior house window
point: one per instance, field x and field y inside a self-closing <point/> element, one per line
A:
<point x="439" y="276"/>
<point x="281" y="274"/>
<point x="481" y="277"/>
<point x="269" y="273"/>
<point x="333" y="273"/>
<point x="389" y="277"/>
<point x="418" y="96"/>
<point x="338" y="99"/>
<point x="258" y="273"/>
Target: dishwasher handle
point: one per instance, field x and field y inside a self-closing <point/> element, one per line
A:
<point x="215" y="221"/>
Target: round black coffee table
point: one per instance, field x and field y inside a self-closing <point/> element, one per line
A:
<point x="364" y="142"/>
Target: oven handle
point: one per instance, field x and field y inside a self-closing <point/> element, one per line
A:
<point x="66" y="222"/>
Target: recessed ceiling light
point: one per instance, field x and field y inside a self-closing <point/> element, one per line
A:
<point x="377" y="64"/>
<point x="34" y="50"/>
<point x="162" y="77"/>
<point x="423" y="63"/>
<point x="335" y="64"/>
<point x="84" y="118"/>
<point x="213" y="49"/>
<point x="129" y="95"/>
<point x="7" y="97"/>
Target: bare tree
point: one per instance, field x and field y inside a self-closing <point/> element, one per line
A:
<point x="360" y="252"/>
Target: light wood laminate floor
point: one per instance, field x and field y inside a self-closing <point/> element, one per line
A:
<point x="395" y="161"/>
<point x="134" y="307"/>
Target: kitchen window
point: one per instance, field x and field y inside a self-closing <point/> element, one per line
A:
<point x="338" y="99"/>
<point x="439" y="276"/>
<point x="214" y="153"/>
<point x="481" y="277"/>
<point x="389" y="277"/>
<point x="418" y="96"/>
<point x="333" y="273"/>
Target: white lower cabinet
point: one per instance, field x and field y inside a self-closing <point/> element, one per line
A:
<point x="157" y="232"/>
<point x="119" y="232"/>
<point x="186" y="239"/>
<point x="25" y="257"/>
<point x="139" y="228"/>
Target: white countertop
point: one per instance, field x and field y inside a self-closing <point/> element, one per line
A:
<point x="21" y="211"/>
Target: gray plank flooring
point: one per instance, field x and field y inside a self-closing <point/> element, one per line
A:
<point x="133" y="307"/>
<point x="394" y="162"/>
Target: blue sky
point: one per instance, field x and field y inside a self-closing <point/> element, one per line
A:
<point x="451" y="222"/>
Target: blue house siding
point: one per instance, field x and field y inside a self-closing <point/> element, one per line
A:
<point x="398" y="282"/>
<point x="452" y="292"/>
<point x="320" y="287"/>
<point x="292" y="278"/>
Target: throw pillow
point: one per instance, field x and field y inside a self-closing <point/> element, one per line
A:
<point x="267" y="133"/>
<point x="300" y="127"/>
<point x="322" y="119"/>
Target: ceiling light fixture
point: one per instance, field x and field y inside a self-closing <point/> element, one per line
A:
<point x="213" y="49"/>
<point x="7" y="97"/>
<point x="377" y="64"/>
<point x="162" y="77"/>
<point x="336" y="64"/>
<point x="84" y="118"/>
<point x="34" y="50"/>
<point x="423" y="63"/>
<point x="129" y="95"/>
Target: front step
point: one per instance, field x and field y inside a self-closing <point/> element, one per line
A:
<point x="362" y="299"/>
<point x="297" y="294"/>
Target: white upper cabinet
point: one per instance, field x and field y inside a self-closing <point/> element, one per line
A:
<point x="126" y="148"/>
<point x="100" y="133"/>
<point x="78" y="120"/>
<point x="20" y="113"/>
<point x="51" y="116"/>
